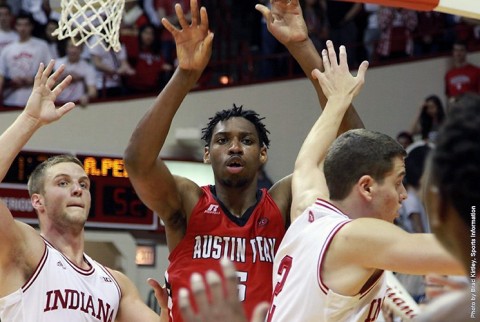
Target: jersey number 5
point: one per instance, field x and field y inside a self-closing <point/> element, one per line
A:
<point x="242" y="287"/>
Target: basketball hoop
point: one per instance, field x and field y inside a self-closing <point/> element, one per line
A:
<point x="93" y="22"/>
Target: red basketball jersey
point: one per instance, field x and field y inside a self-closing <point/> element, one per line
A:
<point x="249" y="242"/>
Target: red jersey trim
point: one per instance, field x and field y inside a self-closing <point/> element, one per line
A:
<point x="323" y="251"/>
<point x="74" y="266"/>
<point x="372" y="286"/>
<point x="37" y="271"/>
<point x="105" y="269"/>
<point x="326" y="204"/>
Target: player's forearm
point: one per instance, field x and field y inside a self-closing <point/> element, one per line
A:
<point x="308" y="58"/>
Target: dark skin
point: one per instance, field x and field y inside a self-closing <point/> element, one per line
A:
<point x="173" y="197"/>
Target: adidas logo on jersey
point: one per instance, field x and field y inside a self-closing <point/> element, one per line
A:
<point x="60" y="264"/>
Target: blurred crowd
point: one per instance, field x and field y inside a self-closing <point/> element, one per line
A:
<point x="242" y="53"/>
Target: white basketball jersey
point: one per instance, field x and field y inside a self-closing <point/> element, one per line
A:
<point x="299" y="292"/>
<point x="59" y="291"/>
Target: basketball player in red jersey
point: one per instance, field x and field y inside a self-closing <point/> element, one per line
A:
<point x="47" y="277"/>
<point x="232" y="219"/>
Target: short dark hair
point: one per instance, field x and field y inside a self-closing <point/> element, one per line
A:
<point x="36" y="180"/>
<point x="455" y="164"/>
<point x="25" y="15"/>
<point x="415" y="164"/>
<point x="237" y="111"/>
<point x="426" y="121"/>
<point x="357" y="153"/>
<point x="6" y="6"/>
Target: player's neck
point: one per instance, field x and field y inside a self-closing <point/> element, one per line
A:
<point x="237" y="200"/>
<point x="72" y="246"/>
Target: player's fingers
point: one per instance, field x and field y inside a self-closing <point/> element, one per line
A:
<point x="171" y="28"/>
<point x="194" y="12"/>
<point x="362" y="70"/>
<point x="65" y="108"/>
<point x="326" y="60"/>
<point x="53" y="78"/>
<point x="332" y="55"/>
<point x="160" y="293"/>
<point x="199" y="294"/>
<point x="62" y="85"/>
<point x="231" y="282"/>
<point x="207" y="44"/>
<point x="46" y="73"/>
<point x="316" y="74"/>
<point x="186" y="308"/>
<point x="260" y="312"/>
<point x="342" y="57"/>
<point x="204" y="17"/>
<point x="181" y="16"/>
<point x="263" y="10"/>
<point x="214" y="283"/>
<point x="38" y="75"/>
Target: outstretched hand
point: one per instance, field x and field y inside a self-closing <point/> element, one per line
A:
<point x="160" y="294"/>
<point x="285" y="21"/>
<point x="41" y="103"/>
<point x="336" y="80"/>
<point x="194" y="40"/>
<point x="223" y="304"/>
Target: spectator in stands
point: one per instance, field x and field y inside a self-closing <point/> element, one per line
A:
<point x="7" y="34"/>
<point x="462" y="76"/>
<point x="145" y="58"/>
<point x="39" y="17"/>
<point x="405" y="139"/>
<point x="429" y="35"/>
<point x="270" y="49"/>
<point x="133" y="18"/>
<point x="412" y="215"/>
<point x="371" y="33"/>
<point x="451" y="193"/>
<point x="342" y="27"/>
<point x="315" y="20"/>
<point x="396" y="27"/>
<point x="429" y="118"/>
<point x="82" y="88"/>
<point x="111" y="67"/>
<point x="51" y="40"/>
<point x="19" y="63"/>
<point x="156" y="10"/>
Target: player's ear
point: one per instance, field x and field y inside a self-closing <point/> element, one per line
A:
<point x="365" y="186"/>
<point x="263" y="155"/>
<point x="37" y="201"/>
<point x="206" y="155"/>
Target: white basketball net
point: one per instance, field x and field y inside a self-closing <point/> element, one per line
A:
<point x="94" y="22"/>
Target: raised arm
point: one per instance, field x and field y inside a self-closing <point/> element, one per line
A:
<point x="152" y="180"/>
<point x="40" y="110"/>
<point x="340" y="87"/>
<point x="286" y="23"/>
<point x="20" y="246"/>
